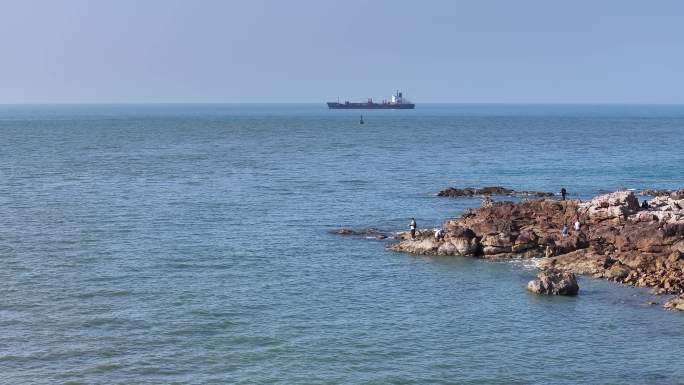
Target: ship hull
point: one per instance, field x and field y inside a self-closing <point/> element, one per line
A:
<point x="371" y="106"/>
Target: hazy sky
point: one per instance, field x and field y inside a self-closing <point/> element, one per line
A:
<point x="316" y="50"/>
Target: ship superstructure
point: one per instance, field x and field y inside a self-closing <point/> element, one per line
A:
<point x="397" y="101"/>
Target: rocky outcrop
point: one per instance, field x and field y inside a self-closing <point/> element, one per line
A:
<point x="458" y="241"/>
<point x="368" y="233"/>
<point x="506" y="229"/>
<point x="676" y="303"/>
<point x="618" y="240"/>
<point x="675" y="194"/>
<point x="613" y="206"/>
<point x="554" y="282"/>
<point x="485" y="191"/>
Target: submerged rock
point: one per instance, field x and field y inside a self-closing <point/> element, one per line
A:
<point x="675" y="194"/>
<point x="369" y="233"/>
<point x="344" y="232"/>
<point x="554" y="282"/>
<point x="470" y="191"/>
<point x="491" y="190"/>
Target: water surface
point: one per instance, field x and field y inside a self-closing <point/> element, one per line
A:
<point x="190" y="244"/>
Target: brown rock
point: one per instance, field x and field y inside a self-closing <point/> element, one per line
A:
<point x="617" y="241"/>
<point x="676" y="303"/>
<point x="617" y="272"/>
<point x="554" y="282"/>
<point x="496" y="244"/>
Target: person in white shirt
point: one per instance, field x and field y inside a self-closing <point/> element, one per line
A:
<point x="412" y="226"/>
<point x="577" y="225"/>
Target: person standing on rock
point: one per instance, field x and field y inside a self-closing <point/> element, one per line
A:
<point x="563" y="193"/>
<point x="412" y="226"/>
<point x="577" y="225"/>
<point x="564" y="232"/>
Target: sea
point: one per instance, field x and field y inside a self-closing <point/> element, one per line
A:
<point x="192" y="244"/>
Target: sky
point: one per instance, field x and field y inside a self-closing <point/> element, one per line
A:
<point x="252" y="51"/>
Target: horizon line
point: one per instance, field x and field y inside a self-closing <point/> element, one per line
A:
<point x="113" y="103"/>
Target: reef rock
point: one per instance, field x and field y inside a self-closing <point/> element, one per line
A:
<point x="368" y="233"/>
<point x="491" y="190"/>
<point x="459" y="241"/>
<point x="554" y="282"/>
<point x="675" y="194"/>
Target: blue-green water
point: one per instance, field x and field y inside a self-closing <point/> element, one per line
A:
<point x="190" y="244"/>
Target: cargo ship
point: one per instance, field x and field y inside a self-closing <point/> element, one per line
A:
<point x="396" y="102"/>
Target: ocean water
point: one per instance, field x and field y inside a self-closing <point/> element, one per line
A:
<point x="190" y="244"/>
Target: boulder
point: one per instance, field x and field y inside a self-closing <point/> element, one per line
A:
<point x="554" y="282"/>
<point x="424" y="245"/>
<point x="459" y="246"/>
<point x="526" y="240"/>
<point x="676" y="303"/>
<point x="496" y="244"/>
<point x="617" y="272"/>
<point x="612" y="206"/>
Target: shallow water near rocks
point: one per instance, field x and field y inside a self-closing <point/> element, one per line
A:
<point x="191" y="244"/>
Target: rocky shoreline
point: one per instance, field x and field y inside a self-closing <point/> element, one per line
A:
<point x="618" y="239"/>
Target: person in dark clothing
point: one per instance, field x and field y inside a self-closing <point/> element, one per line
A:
<point x="412" y="225"/>
<point x="644" y="204"/>
<point x="563" y="193"/>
